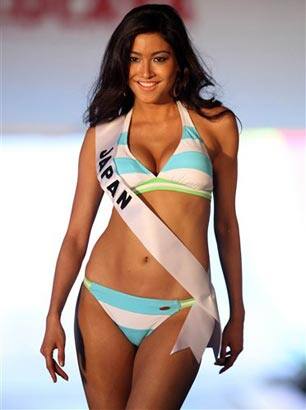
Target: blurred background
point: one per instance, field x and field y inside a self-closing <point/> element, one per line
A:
<point x="51" y="54"/>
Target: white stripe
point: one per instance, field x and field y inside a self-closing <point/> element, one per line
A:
<point x="186" y="119"/>
<point x="135" y="178"/>
<point x="192" y="178"/>
<point x="132" y="319"/>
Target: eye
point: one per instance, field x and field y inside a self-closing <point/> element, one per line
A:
<point x="161" y="59"/>
<point x="131" y="59"/>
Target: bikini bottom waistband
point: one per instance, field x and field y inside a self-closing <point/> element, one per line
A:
<point x="118" y="298"/>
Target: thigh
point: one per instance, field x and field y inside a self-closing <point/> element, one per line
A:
<point x="160" y="380"/>
<point x="105" y="355"/>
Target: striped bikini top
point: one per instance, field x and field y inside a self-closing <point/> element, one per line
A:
<point x="188" y="169"/>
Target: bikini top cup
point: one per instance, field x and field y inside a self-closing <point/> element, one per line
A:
<point x="189" y="168"/>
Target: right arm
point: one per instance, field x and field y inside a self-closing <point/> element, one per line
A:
<point x="87" y="198"/>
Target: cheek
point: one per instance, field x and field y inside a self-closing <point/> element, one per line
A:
<point x="169" y="71"/>
<point x="132" y="71"/>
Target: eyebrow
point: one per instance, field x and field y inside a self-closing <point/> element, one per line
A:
<point x="156" y="52"/>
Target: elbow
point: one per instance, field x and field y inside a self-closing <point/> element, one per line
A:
<point x="226" y="227"/>
<point x="221" y="230"/>
<point x="79" y="242"/>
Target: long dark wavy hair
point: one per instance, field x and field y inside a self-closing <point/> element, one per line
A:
<point x="111" y="96"/>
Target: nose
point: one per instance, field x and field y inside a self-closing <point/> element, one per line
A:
<point x="146" y="69"/>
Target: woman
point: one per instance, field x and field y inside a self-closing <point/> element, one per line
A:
<point x="175" y="149"/>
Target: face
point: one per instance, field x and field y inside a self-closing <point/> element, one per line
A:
<point x="152" y="68"/>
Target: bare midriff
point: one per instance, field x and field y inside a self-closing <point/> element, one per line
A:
<point x="120" y="261"/>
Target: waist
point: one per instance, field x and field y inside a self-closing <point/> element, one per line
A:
<point x="120" y="260"/>
<point x="136" y="272"/>
<point x="109" y="294"/>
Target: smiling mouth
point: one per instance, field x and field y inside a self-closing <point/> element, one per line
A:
<point x="147" y="85"/>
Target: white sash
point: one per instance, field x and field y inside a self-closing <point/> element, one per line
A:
<point x="201" y="328"/>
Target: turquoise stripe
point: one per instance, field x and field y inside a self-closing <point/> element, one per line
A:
<point x="135" y="335"/>
<point x="191" y="132"/>
<point x="190" y="159"/>
<point x="149" y="306"/>
<point x="129" y="166"/>
<point x="122" y="140"/>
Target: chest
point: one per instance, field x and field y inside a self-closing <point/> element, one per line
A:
<point x="154" y="144"/>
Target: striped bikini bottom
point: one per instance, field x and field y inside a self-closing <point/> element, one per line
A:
<point x="136" y="316"/>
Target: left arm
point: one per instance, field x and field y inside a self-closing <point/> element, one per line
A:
<point x="225" y="220"/>
<point x="227" y="233"/>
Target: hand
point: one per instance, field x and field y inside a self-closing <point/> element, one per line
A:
<point x="232" y="336"/>
<point x="54" y="339"/>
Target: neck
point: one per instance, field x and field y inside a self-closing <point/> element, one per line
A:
<point x="160" y="111"/>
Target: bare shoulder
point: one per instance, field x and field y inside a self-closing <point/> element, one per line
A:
<point x="88" y="147"/>
<point x="225" y="131"/>
<point x="220" y="134"/>
<point x="90" y="135"/>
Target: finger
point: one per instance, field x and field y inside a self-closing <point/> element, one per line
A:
<point x="61" y="355"/>
<point x="50" y="366"/>
<point x="221" y="359"/>
<point x="60" y="371"/>
<point x="229" y="362"/>
<point x="225" y="368"/>
<point x="223" y="348"/>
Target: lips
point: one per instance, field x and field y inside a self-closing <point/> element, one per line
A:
<point x="147" y="85"/>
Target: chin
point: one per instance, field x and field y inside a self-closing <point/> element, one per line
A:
<point x="150" y="96"/>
